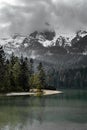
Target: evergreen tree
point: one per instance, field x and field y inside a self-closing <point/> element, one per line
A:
<point x="13" y="71"/>
<point x="16" y="75"/>
<point x="2" y="69"/>
<point x="24" y="74"/>
<point x="41" y="75"/>
<point x="35" y="82"/>
<point x="7" y="84"/>
<point x="31" y="68"/>
<point x="12" y="59"/>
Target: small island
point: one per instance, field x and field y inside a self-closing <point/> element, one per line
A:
<point x="34" y="93"/>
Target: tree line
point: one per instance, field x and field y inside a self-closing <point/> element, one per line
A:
<point x="67" y="79"/>
<point x="19" y="75"/>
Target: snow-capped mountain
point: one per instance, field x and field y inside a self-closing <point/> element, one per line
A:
<point x="19" y="43"/>
<point x="79" y="43"/>
<point x="46" y="40"/>
<point x="46" y="46"/>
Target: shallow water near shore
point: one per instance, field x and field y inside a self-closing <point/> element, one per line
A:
<point x="65" y="111"/>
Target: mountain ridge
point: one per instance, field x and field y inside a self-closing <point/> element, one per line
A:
<point x="63" y="51"/>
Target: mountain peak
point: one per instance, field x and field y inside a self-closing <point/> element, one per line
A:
<point x="81" y="33"/>
<point x="47" y="34"/>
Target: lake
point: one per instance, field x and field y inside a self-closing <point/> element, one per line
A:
<point x="66" y="111"/>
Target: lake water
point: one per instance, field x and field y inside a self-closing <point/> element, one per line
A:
<point x="67" y="111"/>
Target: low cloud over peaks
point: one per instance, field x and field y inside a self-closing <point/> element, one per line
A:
<point x="26" y="16"/>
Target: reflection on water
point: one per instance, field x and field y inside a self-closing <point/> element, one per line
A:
<point x="66" y="111"/>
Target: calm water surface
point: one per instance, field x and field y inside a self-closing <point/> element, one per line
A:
<point x="67" y="111"/>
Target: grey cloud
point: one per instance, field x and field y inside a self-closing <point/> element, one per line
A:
<point x="26" y="19"/>
<point x="72" y="16"/>
<point x="30" y="15"/>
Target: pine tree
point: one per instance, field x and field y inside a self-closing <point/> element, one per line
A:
<point x="12" y="59"/>
<point x="2" y="69"/>
<point x="13" y="70"/>
<point x="35" y="82"/>
<point x="7" y="84"/>
<point x="16" y="75"/>
<point x="24" y="74"/>
<point x="41" y="75"/>
<point x="31" y="68"/>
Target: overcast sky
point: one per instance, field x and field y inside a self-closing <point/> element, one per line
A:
<point x="25" y="16"/>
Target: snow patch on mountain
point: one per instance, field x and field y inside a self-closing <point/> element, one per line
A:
<point x="84" y="53"/>
<point x="46" y="41"/>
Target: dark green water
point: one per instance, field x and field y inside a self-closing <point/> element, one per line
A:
<point x="67" y="111"/>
